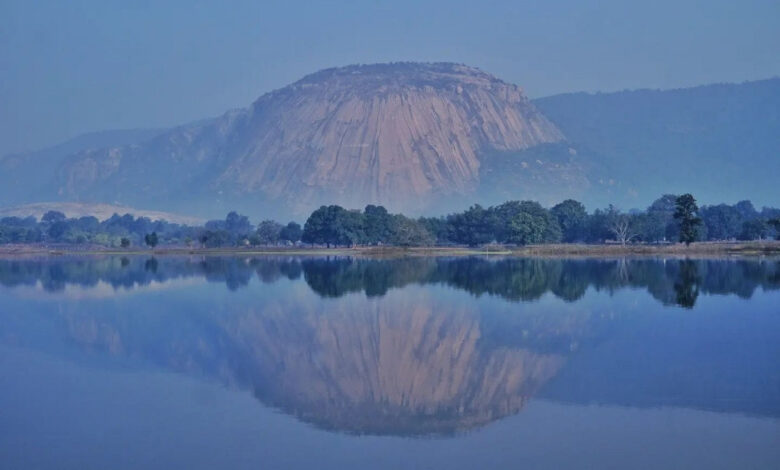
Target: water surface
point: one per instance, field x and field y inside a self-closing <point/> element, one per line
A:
<point x="236" y="362"/>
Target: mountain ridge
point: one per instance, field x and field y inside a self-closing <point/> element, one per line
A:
<point x="401" y="135"/>
<point x="599" y="147"/>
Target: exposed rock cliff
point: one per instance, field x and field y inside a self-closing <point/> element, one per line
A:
<point x="396" y="134"/>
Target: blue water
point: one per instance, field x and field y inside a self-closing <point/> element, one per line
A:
<point x="138" y="362"/>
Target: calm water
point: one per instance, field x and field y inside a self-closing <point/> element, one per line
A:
<point x="412" y="363"/>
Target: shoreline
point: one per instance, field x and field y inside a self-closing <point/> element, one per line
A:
<point x="700" y="249"/>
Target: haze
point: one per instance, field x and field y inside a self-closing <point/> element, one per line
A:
<point x="72" y="67"/>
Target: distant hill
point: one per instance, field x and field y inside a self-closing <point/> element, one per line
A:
<point x="424" y="138"/>
<point x="25" y="176"/>
<point x="407" y="135"/>
<point x="720" y="142"/>
<point x="101" y="211"/>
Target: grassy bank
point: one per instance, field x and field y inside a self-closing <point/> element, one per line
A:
<point x="751" y="248"/>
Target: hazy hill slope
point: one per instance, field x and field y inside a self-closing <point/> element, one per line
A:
<point x="720" y="142"/>
<point x="24" y="176"/>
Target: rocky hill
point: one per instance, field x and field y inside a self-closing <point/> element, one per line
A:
<point x="405" y="135"/>
<point x="423" y="139"/>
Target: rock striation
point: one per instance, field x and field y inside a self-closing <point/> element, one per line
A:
<point x="398" y="134"/>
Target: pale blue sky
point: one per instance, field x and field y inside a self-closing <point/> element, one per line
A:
<point x="67" y="67"/>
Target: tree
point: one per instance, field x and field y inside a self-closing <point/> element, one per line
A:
<point x="754" y="229"/>
<point x="776" y="224"/>
<point x="660" y="224"/>
<point x="409" y="232"/>
<point x="439" y="228"/>
<point x="292" y="232"/>
<point x="746" y="210"/>
<point x="472" y="227"/>
<point x="572" y="217"/>
<point x="124" y="242"/>
<point x="377" y="224"/>
<point x="686" y="213"/>
<point x="334" y="225"/>
<point x="268" y="232"/>
<point x="525" y="229"/>
<point x="52" y="217"/>
<point x="237" y="224"/>
<point x="215" y="238"/>
<point x="503" y="216"/>
<point x="57" y="229"/>
<point x="151" y="239"/>
<point x="723" y="222"/>
<point x="621" y="227"/>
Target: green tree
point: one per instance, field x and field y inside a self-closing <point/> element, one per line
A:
<point x="291" y="232"/>
<point x="237" y="224"/>
<point x="334" y="225"/>
<point x="124" y="242"/>
<point x="151" y="239"/>
<point x="472" y="227"/>
<point x="776" y="224"/>
<point x="660" y="224"/>
<point x="525" y="229"/>
<point x="502" y="217"/>
<point x="723" y="222"/>
<point x="409" y="232"/>
<point x="52" y="217"/>
<point x="377" y="224"/>
<point x="572" y="218"/>
<point x="268" y="232"/>
<point x="754" y="229"/>
<point x="686" y="213"/>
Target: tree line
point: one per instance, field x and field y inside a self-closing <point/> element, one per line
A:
<point x="669" y="219"/>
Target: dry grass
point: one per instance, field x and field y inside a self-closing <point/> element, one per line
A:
<point x="703" y="249"/>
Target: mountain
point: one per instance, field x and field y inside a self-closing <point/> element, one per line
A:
<point x="424" y="139"/>
<point x="720" y="142"/>
<point x="406" y="135"/>
<point x="25" y="176"/>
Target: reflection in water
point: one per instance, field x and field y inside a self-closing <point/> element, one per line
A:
<point x="407" y="357"/>
<point x="402" y="367"/>
<point x="669" y="281"/>
<point x="687" y="284"/>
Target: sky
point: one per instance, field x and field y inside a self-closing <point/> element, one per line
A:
<point x="69" y="67"/>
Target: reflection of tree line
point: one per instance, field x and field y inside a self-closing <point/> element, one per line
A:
<point x="415" y="362"/>
<point x="525" y="279"/>
<point x="517" y="279"/>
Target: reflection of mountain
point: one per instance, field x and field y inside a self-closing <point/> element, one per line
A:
<point x="421" y="360"/>
<point x="408" y="365"/>
<point x="670" y="281"/>
<point x="405" y="366"/>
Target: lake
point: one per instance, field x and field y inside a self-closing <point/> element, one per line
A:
<point x="421" y="362"/>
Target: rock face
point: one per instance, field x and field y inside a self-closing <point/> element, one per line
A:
<point x="395" y="134"/>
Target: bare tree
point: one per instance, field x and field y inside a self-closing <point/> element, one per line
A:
<point x="621" y="227"/>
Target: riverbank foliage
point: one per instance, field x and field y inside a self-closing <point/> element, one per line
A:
<point x="510" y="223"/>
